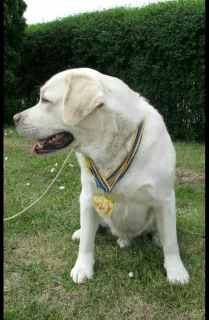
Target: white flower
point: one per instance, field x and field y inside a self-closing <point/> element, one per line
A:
<point x="61" y="187"/>
<point x="131" y="274"/>
<point x="5" y="158"/>
<point x="52" y="170"/>
<point x="5" y="134"/>
<point x="11" y="131"/>
<point x="27" y="184"/>
<point x="56" y="164"/>
<point x="71" y="165"/>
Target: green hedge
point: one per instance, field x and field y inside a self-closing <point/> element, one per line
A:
<point x="14" y="25"/>
<point x="158" y="50"/>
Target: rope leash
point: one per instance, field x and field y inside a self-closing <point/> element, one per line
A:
<point x="32" y="204"/>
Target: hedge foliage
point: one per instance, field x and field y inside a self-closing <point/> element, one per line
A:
<point x="14" y="26"/>
<point x="158" y="50"/>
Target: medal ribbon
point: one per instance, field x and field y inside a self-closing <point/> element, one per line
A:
<point x="107" y="183"/>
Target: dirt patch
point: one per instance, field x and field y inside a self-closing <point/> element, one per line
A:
<point x="59" y="295"/>
<point x="186" y="176"/>
<point x="134" y="308"/>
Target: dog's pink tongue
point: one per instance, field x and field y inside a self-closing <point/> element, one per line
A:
<point x="35" y="146"/>
<point x="33" y="149"/>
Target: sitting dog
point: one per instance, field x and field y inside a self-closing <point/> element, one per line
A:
<point x="126" y="156"/>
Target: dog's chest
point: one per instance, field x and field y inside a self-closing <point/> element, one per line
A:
<point x="130" y="215"/>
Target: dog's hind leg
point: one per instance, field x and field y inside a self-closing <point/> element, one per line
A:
<point x="124" y="242"/>
<point x="152" y="230"/>
<point x="76" y="234"/>
<point x="103" y="224"/>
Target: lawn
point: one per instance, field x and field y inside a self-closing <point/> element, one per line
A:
<point x="39" y="252"/>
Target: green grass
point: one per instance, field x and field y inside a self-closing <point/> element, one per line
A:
<point x="190" y="156"/>
<point x="39" y="252"/>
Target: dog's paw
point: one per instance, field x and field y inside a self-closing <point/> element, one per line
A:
<point x="76" y="235"/>
<point x="177" y="274"/>
<point x="124" y="243"/>
<point x="83" y="268"/>
<point x="156" y="240"/>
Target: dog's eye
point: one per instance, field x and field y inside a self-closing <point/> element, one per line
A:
<point x="45" y="100"/>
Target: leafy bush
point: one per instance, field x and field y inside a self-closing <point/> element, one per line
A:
<point x="14" y="25"/>
<point x="158" y="50"/>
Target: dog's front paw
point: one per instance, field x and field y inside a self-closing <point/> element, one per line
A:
<point x="176" y="273"/>
<point x="83" y="268"/>
<point x="180" y="276"/>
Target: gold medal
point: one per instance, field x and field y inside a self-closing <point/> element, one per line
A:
<point x="103" y="205"/>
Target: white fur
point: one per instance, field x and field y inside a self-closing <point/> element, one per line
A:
<point x="144" y="198"/>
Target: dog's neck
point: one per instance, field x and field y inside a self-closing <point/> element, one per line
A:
<point x="108" y="149"/>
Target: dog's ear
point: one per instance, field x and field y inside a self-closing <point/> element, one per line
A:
<point x="83" y="95"/>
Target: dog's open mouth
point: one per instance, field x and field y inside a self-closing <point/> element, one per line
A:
<point x="52" y="143"/>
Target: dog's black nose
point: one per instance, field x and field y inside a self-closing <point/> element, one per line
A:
<point x="16" y="118"/>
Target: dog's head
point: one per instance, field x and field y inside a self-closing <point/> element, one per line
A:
<point x="74" y="107"/>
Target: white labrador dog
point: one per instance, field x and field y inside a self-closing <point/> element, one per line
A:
<point x="97" y="115"/>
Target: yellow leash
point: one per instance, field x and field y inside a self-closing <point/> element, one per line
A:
<point x="32" y="204"/>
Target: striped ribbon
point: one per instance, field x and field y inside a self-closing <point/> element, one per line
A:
<point x="107" y="183"/>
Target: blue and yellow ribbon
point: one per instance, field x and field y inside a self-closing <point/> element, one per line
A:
<point x="107" y="183"/>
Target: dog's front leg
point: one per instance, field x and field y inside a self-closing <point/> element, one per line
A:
<point x="89" y="224"/>
<point x="165" y="215"/>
